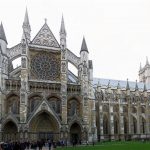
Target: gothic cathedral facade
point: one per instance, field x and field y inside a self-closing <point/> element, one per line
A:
<point x="43" y="99"/>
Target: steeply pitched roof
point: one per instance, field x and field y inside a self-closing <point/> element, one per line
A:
<point x="45" y="37"/>
<point x="2" y="33"/>
<point x="84" y="46"/>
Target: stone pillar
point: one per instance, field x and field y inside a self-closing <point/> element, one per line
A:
<point x="121" y="122"/>
<point x="24" y="83"/>
<point x="101" y="122"/>
<point x="129" y="113"/>
<point x="111" y="122"/>
<point x="85" y="99"/>
<point x="138" y="117"/>
<point x="64" y="68"/>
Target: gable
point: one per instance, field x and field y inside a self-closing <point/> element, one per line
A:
<point x="45" y="37"/>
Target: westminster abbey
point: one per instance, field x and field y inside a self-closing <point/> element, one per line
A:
<point x="42" y="99"/>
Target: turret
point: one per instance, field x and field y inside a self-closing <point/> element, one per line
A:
<point x="3" y="40"/>
<point x="63" y="34"/>
<point x="26" y="27"/>
<point x="84" y="56"/>
<point x="84" y="51"/>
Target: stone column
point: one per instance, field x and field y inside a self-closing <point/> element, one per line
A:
<point x="138" y="117"/>
<point x="85" y="99"/>
<point x="64" y="68"/>
<point x="111" y="121"/>
<point x="101" y="122"/>
<point x="24" y="83"/>
<point x="121" y="122"/>
<point x="129" y="114"/>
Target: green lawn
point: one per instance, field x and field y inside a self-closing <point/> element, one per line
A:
<point x="113" y="146"/>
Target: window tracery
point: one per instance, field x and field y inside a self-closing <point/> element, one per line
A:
<point x="46" y="67"/>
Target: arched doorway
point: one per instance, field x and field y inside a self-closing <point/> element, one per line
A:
<point x="10" y="131"/>
<point x="75" y="133"/>
<point x="43" y="127"/>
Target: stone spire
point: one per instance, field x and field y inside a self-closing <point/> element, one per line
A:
<point x="84" y="46"/>
<point x="62" y="34"/>
<point x="26" y="18"/>
<point x="62" y="27"/>
<point x="2" y="33"/>
<point x="26" y="26"/>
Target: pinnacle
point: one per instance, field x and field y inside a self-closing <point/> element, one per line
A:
<point x="127" y="86"/>
<point x="26" y="18"/>
<point x="84" y="46"/>
<point x="118" y="86"/>
<point x="136" y="86"/>
<point x="62" y="28"/>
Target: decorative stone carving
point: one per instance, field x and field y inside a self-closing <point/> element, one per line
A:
<point x="45" y="38"/>
<point x="22" y="98"/>
<point x="44" y="106"/>
<point x="63" y="65"/>
<point x="63" y="54"/>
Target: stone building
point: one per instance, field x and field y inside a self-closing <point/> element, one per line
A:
<point x="43" y="99"/>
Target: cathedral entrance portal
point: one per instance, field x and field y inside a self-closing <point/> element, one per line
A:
<point x="75" y="133"/>
<point x="10" y="131"/>
<point x="44" y="127"/>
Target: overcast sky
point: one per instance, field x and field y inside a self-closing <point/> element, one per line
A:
<point x="117" y="32"/>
